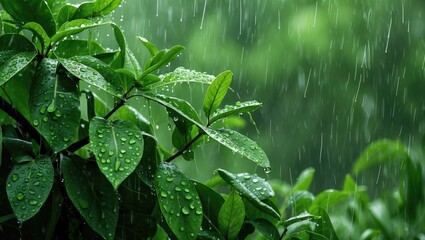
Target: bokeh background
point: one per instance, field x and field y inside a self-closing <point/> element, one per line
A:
<point x="333" y="75"/>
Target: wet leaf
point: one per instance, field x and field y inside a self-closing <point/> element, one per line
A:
<point x="75" y="47"/>
<point x="380" y="152"/>
<point x="300" y="201"/>
<point x="238" y="108"/>
<point x="91" y="76"/>
<point x="96" y="8"/>
<point x="179" y="75"/>
<point x="117" y="146"/>
<point x="54" y="105"/>
<point x="216" y="92"/>
<point x="165" y="57"/>
<point x="55" y="6"/>
<point x="328" y="199"/>
<point x="211" y="204"/>
<point x="14" y="65"/>
<point x="65" y="15"/>
<point x="28" y="186"/>
<point x="179" y="201"/>
<point x="300" y="217"/>
<point x="258" y="186"/>
<point x="304" y="180"/>
<point x="266" y="228"/>
<point x="39" y="32"/>
<point x="231" y="216"/>
<point x="92" y="195"/>
<point x="180" y="106"/>
<point x="149" y="46"/>
<point x="239" y="144"/>
<point x="246" y="193"/>
<point x="74" y="27"/>
<point x="15" y="43"/>
<point x="131" y="114"/>
<point x="38" y="9"/>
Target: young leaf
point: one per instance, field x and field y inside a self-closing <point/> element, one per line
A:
<point x="168" y="56"/>
<point x="380" y="152"/>
<point x="240" y="144"/>
<point x="39" y="32"/>
<point x="179" y="75"/>
<point x="231" y="216"/>
<point x="91" y="76"/>
<point x="178" y="201"/>
<point x="150" y="46"/>
<point x="24" y="11"/>
<point x="54" y="105"/>
<point x="328" y="198"/>
<point x="14" y="65"/>
<point x="246" y="193"/>
<point x="28" y="187"/>
<point x="15" y="43"/>
<point x="266" y="228"/>
<point x="238" y="108"/>
<point x="92" y="195"/>
<point x="65" y="14"/>
<point x="216" y="92"/>
<point x="117" y="146"/>
<point x="96" y="8"/>
<point x="211" y="204"/>
<point x="55" y="6"/>
<point x="304" y="180"/>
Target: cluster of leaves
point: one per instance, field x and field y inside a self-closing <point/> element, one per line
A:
<point x="73" y="168"/>
<point x="396" y="214"/>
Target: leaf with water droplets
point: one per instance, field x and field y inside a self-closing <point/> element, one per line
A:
<point x="74" y="27"/>
<point x="24" y="11"/>
<point x="216" y="92"/>
<point x="96" y="8"/>
<point x="179" y="201"/>
<point x="39" y="32"/>
<point x="179" y="75"/>
<point x="258" y="186"/>
<point x="238" y="108"/>
<point x="92" y="195"/>
<point x="162" y="58"/>
<point x="28" y="186"/>
<point x="231" y="216"/>
<point x="246" y="193"/>
<point x="239" y="144"/>
<point x="54" y="105"/>
<point x="91" y="76"/>
<point x="266" y="228"/>
<point x="77" y="47"/>
<point x="117" y="146"/>
<point x="14" y="65"/>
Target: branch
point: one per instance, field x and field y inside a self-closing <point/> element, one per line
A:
<point x="185" y="148"/>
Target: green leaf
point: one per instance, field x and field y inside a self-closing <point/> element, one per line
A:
<point x="178" y="201"/>
<point x="150" y="46"/>
<point x="300" y="201"/>
<point x="39" y="32"/>
<point x="258" y="186"/>
<point x="28" y="187"/>
<point x="96" y="8"/>
<point x="54" y="105"/>
<point x="147" y="168"/>
<point x="15" y="43"/>
<point x="380" y="152"/>
<point x="211" y="204"/>
<point x="232" y="179"/>
<point x="74" y="47"/>
<point x="180" y="140"/>
<point x="168" y="56"/>
<point x="323" y="224"/>
<point x="239" y="108"/>
<point x="179" y="75"/>
<point x="304" y="180"/>
<point x="131" y="114"/>
<point x="328" y="199"/>
<point x="180" y="106"/>
<point x="216" y="92"/>
<point x="91" y="76"/>
<point x="55" y="6"/>
<point x="65" y="14"/>
<point x="414" y="191"/>
<point x="74" y="27"/>
<point x="14" y="65"/>
<point x="231" y="216"/>
<point x="24" y="11"/>
<point x="92" y="195"/>
<point x="117" y="146"/>
<point x="301" y="217"/>
<point x="239" y="144"/>
<point x="266" y="228"/>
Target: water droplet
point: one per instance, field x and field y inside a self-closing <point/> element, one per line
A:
<point x="198" y="211"/>
<point x="129" y="161"/>
<point x="188" y="196"/>
<point x="183" y="182"/>
<point x="164" y="194"/>
<point x="255" y="180"/>
<point x="36" y="183"/>
<point x="52" y="106"/>
<point x="33" y="202"/>
<point x="170" y="179"/>
<point x="65" y="139"/>
<point x="35" y="122"/>
<point x="20" y="196"/>
<point x="43" y="110"/>
<point x="15" y="177"/>
<point x="177" y="188"/>
<point x="267" y="170"/>
<point x="132" y="141"/>
<point x="111" y="153"/>
<point x="83" y="203"/>
<point x="122" y="151"/>
<point x="45" y="119"/>
<point x="185" y="210"/>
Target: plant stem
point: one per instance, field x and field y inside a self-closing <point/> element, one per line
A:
<point x="187" y="146"/>
<point x="20" y="119"/>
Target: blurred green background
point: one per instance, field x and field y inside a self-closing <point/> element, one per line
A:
<point x="333" y="75"/>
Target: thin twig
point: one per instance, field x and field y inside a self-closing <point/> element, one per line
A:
<point x="185" y="148"/>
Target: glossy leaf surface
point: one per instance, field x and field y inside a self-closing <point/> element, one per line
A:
<point x="231" y="216"/>
<point x="96" y="8"/>
<point x="179" y="201"/>
<point x="238" y="108"/>
<point x="117" y="146"/>
<point x="28" y="186"/>
<point x="14" y="65"/>
<point x="258" y="186"/>
<point x="216" y="92"/>
<point x="92" y="195"/>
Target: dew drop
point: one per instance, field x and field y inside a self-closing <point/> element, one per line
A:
<point x="35" y="122"/>
<point x="15" y="177"/>
<point x="185" y="210"/>
<point x="20" y="196"/>
<point x="83" y="203"/>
